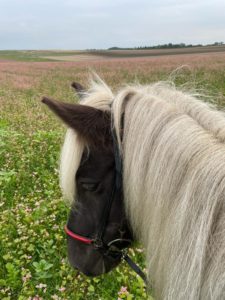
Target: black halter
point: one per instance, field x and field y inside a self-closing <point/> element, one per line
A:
<point x="111" y="248"/>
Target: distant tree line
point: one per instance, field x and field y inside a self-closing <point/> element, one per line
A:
<point x="167" y="46"/>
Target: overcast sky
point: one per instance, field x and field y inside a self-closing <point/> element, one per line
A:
<point x="85" y="24"/>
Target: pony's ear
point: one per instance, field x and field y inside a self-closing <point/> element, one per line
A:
<point x="80" y="90"/>
<point x="90" y="123"/>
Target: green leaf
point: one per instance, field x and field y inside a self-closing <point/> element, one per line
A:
<point x="7" y="257"/>
<point x="3" y="282"/>
<point x="91" y="288"/>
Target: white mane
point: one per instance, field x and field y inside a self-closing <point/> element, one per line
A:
<point x="174" y="184"/>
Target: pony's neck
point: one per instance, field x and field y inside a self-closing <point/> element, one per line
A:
<point x="174" y="182"/>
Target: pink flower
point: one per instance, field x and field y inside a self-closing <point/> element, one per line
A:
<point x="62" y="289"/>
<point x="28" y="209"/>
<point x="26" y="277"/>
<point x="123" y="291"/>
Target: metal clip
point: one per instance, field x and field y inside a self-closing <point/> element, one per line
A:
<point x="98" y="244"/>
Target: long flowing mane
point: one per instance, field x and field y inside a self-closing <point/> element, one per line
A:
<point x="174" y="183"/>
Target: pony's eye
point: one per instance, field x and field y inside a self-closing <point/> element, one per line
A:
<point x="89" y="186"/>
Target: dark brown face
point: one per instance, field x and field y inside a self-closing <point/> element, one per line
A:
<point x="95" y="181"/>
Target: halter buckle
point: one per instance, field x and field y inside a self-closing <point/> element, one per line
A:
<point x="98" y="243"/>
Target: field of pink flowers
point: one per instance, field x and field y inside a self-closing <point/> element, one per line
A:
<point x="33" y="262"/>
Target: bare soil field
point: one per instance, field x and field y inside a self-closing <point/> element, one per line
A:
<point x="123" y="54"/>
<point x="158" y="52"/>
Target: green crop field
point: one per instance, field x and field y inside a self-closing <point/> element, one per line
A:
<point x="33" y="258"/>
<point x="33" y="56"/>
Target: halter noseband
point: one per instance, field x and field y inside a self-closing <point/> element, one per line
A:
<point x="110" y="249"/>
<point x="77" y="237"/>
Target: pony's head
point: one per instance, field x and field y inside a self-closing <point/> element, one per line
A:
<point x="97" y="228"/>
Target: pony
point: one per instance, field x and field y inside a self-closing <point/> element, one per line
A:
<point x="171" y="199"/>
